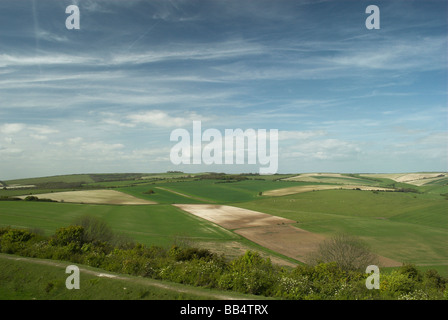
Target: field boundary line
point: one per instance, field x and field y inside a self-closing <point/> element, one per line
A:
<point x="184" y="195"/>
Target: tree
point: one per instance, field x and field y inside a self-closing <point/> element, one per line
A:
<point x="347" y="251"/>
<point x="94" y="229"/>
<point x="98" y="231"/>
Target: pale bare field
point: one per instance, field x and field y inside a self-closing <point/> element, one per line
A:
<point x="19" y="186"/>
<point x="417" y="179"/>
<point x="301" y="189"/>
<point x="322" y="178"/>
<point x="232" y="217"/>
<point x="93" y="197"/>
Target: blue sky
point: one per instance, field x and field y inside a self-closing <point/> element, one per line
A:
<point x="106" y="97"/>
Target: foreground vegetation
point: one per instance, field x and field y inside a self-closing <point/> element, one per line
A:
<point x="90" y="242"/>
<point x="19" y="281"/>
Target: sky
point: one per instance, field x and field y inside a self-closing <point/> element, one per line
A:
<point x="105" y="97"/>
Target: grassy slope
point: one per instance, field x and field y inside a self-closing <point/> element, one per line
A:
<point x="63" y="178"/>
<point x="39" y="279"/>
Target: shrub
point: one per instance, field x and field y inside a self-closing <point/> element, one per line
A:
<point x="396" y="283"/>
<point x="410" y="271"/>
<point x="185" y="254"/>
<point x="432" y="279"/>
<point x="17" y="235"/>
<point x="31" y="198"/>
<point x="14" y="240"/>
<point x="293" y="286"/>
<point x="250" y="273"/>
<point x="414" y="295"/>
<point x="67" y="235"/>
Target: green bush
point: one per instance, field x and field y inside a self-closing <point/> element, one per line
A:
<point x="67" y="235"/>
<point x="186" y="254"/>
<point x="17" y="235"/>
<point x="396" y="283"/>
<point x="410" y="271"/>
<point x="432" y="279"/>
<point x="250" y="273"/>
<point x="295" y="287"/>
<point x="14" y="240"/>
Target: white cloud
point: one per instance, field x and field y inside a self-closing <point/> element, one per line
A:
<point x="197" y="51"/>
<point x="52" y="37"/>
<point x="43" y="130"/>
<point x="118" y="123"/>
<point x="9" y="140"/>
<point x="327" y="149"/>
<point x="300" y="135"/>
<point x="38" y="137"/>
<point x="11" y="128"/>
<point x="75" y="140"/>
<point x="11" y="151"/>
<point x="160" y="118"/>
<point x="100" y="146"/>
<point x="7" y="60"/>
<point x="425" y="53"/>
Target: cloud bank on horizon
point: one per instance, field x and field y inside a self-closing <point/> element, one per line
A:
<point x="106" y="97"/>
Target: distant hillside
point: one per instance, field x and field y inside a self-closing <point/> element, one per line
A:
<point x="71" y="178"/>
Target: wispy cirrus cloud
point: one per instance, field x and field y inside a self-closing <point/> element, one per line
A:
<point x="393" y="54"/>
<point x="159" y="118"/>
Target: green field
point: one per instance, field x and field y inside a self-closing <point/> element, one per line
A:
<point x="152" y="224"/>
<point x="209" y="191"/>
